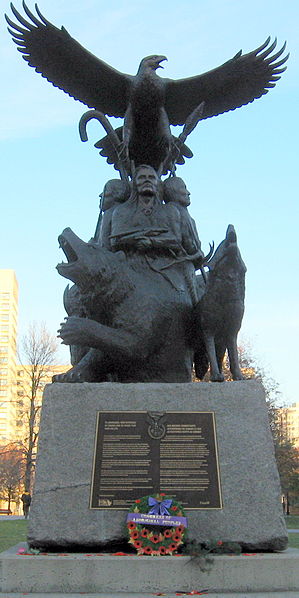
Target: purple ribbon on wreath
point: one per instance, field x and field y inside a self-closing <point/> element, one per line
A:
<point x="159" y="507"/>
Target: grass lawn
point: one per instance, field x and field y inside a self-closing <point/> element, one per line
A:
<point x="292" y="521"/>
<point x="294" y="540"/>
<point x="12" y="532"/>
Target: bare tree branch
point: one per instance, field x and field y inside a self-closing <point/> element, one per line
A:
<point x="39" y="349"/>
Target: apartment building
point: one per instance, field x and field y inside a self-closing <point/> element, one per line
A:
<point x="8" y="364"/>
<point x="289" y="421"/>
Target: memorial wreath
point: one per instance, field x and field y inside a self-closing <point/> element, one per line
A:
<point x="156" y="525"/>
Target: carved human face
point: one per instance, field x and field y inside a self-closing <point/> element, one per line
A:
<point x="182" y="195"/>
<point x="146" y="182"/>
<point x="110" y="196"/>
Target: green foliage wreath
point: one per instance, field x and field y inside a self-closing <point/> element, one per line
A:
<point x="156" y="540"/>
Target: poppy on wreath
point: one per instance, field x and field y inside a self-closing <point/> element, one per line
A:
<point x="137" y="544"/>
<point x="155" y="538"/>
<point x="177" y="538"/>
<point x="148" y="541"/>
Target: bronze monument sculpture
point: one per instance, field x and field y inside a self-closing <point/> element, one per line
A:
<point x="138" y="312"/>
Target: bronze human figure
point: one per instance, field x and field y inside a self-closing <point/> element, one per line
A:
<point x="137" y="296"/>
<point x="137" y="311"/>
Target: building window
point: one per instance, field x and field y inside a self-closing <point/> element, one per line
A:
<point x="3" y="350"/>
<point x="5" y="317"/>
<point x="3" y="393"/>
<point x="3" y="339"/>
<point x="3" y="360"/>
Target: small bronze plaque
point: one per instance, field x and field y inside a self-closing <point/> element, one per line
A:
<point x="139" y="453"/>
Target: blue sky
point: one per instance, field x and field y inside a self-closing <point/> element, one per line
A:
<point x="244" y="170"/>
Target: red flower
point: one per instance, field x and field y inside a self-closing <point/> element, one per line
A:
<point x="180" y="529"/>
<point x="219" y="543"/>
<point x="167" y="533"/>
<point x="138" y="500"/>
<point x="144" y="532"/>
<point x="162" y="494"/>
<point x="147" y="550"/>
<point x="174" y="508"/>
<point x="134" y="535"/>
<point x="137" y="544"/>
<point x="172" y="546"/>
<point x="176" y="537"/>
<point x="162" y="550"/>
<point x="131" y="525"/>
<point x="155" y="538"/>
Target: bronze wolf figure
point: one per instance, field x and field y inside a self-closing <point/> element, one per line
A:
<point x="219" y="313"/>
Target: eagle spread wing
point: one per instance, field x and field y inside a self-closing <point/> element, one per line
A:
<point x="238" y="81"/>
<point x="66" y="64"/>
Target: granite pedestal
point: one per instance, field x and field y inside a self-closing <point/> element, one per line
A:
<point x="251" y="513"/>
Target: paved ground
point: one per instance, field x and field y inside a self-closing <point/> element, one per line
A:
<point x="246" y="595"/>
<point x="9" y="517"/>
<point x="238" y="595"/>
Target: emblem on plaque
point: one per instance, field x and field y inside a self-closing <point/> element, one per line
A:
<point x="156" y="428"/>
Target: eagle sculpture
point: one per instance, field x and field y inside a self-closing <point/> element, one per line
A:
<point x="148" y="103"/>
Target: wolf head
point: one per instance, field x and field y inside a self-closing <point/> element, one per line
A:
<point x="227" y="257"/>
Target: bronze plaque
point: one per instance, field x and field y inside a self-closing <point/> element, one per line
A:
<point x="139" y="453"/>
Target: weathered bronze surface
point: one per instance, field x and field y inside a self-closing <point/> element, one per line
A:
<point x="148" y="103"/>
<point x="139" y="453"/>
<point x="138" y="312"/>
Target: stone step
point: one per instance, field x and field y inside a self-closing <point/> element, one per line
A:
<point x="110" y="575"/>
<point x="270" y="594"/>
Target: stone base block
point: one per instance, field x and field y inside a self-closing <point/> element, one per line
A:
<point x="251" y="513"/>
<point x="132" y="575"/>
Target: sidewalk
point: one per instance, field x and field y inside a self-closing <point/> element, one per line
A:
<point x="125" y="595"/>
<point x="11" y="517"/>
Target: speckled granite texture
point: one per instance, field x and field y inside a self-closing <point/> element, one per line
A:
<point x="251" y="515"/>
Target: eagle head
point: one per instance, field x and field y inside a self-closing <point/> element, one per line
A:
<point x="151" y="63"/>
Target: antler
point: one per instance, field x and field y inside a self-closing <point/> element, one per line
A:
<point x="207" y="257"/>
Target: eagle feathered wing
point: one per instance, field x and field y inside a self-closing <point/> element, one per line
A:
<point x="65" y="63"/>
<point x="238" y="81"/>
